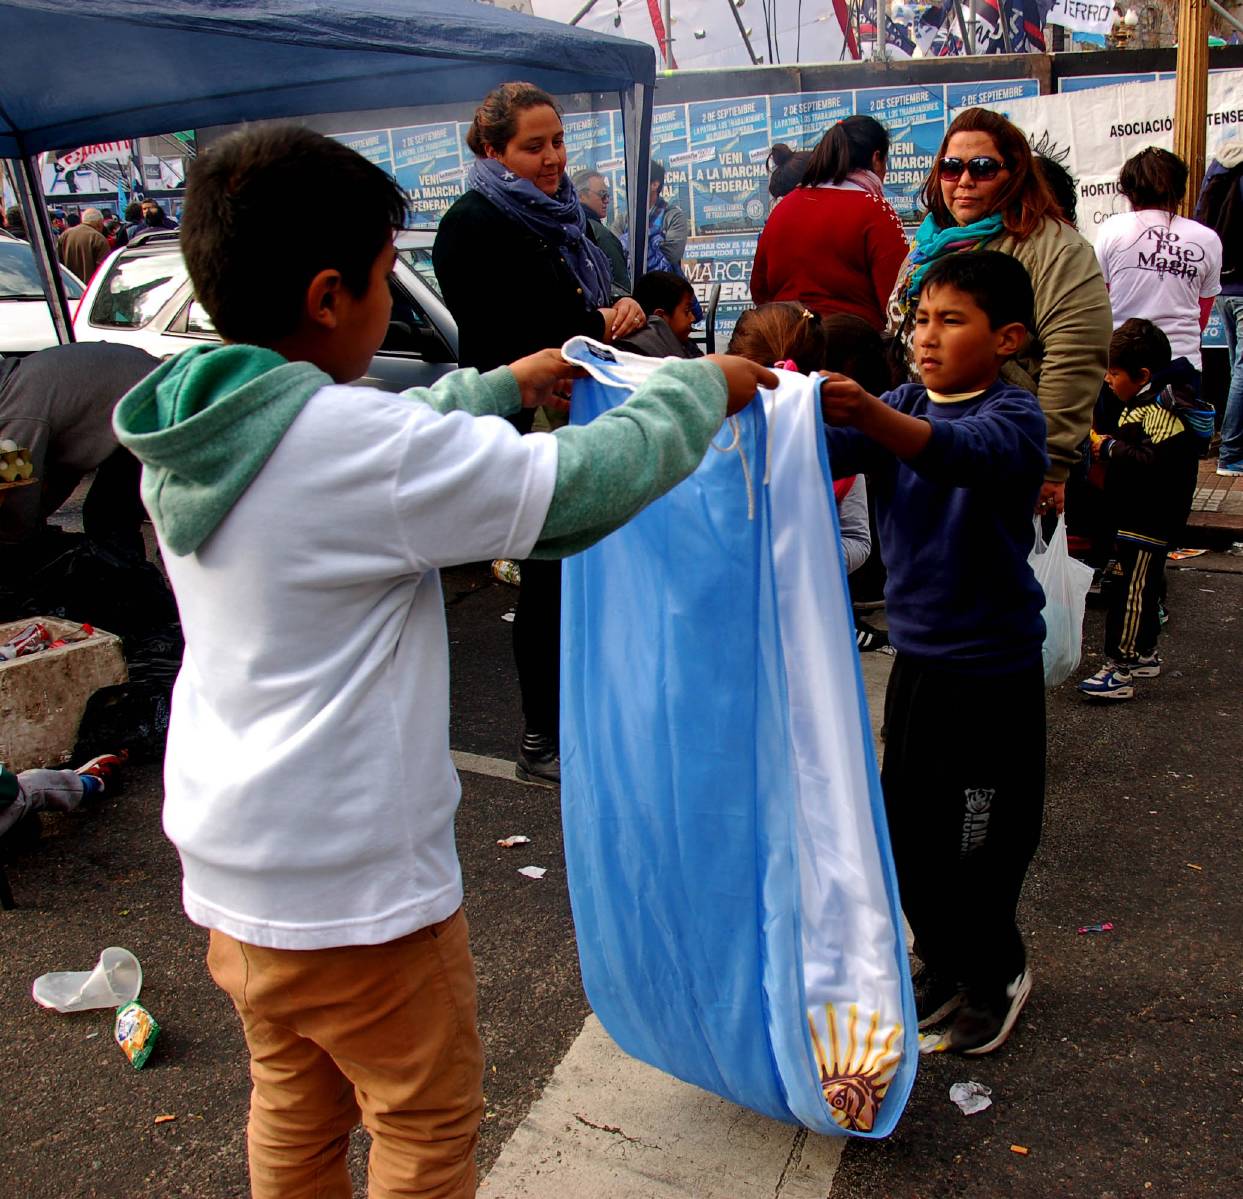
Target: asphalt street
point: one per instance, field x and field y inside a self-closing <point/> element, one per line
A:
<point x="1124" y="1077"/>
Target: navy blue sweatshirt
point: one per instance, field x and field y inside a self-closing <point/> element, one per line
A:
<point x="955" y="527"/>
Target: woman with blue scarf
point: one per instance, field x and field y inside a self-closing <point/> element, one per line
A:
<point x="985" y="193"/>
<point x="520" y="272"/>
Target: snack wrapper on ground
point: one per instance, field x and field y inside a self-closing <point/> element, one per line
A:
<point x="135" y="1031"/>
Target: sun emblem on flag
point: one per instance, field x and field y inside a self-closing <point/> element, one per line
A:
<point x="855" y="1070"/>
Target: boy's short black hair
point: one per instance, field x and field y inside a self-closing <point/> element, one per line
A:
<point x="1139" y="345"/>
<point x="252" y="254"/>
<point x="661" y="289"/>
<point x="997" y="282"/>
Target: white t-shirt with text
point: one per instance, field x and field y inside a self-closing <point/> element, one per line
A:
<point x="1160" y="268"/>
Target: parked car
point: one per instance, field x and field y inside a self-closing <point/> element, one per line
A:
<point x="25" y="318"/>
<point x="142" y="296"/>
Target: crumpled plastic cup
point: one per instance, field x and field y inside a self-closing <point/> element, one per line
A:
<point x="116" y="979"/>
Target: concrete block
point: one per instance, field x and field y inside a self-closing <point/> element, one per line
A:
<point x="43" y="696"/>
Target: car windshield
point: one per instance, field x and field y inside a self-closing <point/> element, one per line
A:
<point x="19" y="278"/>
<point x="419" y="260"/>
<point x="136" y="288"/>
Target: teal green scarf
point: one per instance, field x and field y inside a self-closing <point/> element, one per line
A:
<point x="933" y="242"/>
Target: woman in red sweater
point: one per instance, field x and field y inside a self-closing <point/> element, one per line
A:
<point x="834" y="244"/>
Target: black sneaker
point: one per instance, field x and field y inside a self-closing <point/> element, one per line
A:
<point x="936" y="997"/>
<point x="869" y="639"/>
<point x="984" y="1022"/>
<point x="539" y="760"/>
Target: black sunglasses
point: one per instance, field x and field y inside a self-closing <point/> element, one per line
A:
<point x="981" y="168"/>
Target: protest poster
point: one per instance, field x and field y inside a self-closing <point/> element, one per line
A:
<point x="995" y="95"/>
<point x="670" y="145"/>
<point x="729" y="144"/>
<point x="427" y="161"/>
<point x="915" y="118"/>
<point x="1085" y="83"/>
<point x="727" y="261"/>
<point x="375" y="145"/>
<point x="802" y="119"/>
<point x="588" y="140"/>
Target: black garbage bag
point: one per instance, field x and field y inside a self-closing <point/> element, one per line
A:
<point x="70" y="576"/>
<point x="133" y="716"/>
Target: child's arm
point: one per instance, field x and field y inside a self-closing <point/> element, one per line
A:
<point x="852" y="520"/>
<point x="611" y="469"/>
<point x="844" y="402"/>
<point x="1000" y="443"/>
<point x="527" y="383"/>
<point x="1140" y="452"/>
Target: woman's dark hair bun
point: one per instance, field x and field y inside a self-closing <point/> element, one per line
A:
<point x="779" y="155"/>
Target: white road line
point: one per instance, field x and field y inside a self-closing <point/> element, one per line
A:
<point x="609" y="1127"/>
<point x="497" y="768"/>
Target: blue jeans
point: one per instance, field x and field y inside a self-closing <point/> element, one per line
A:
<point x="1231" y="452"/>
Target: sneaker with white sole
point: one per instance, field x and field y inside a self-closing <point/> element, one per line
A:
<point x="1146" y="667"/>
<point x="936" y="997"/>
<point x="986" y="1019"/>
<point x="1230" y="472"/>
<point x="1110" y="682"/>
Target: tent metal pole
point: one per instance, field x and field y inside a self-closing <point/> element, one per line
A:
<point x="1226" y="15"/>
<point x="43" y="244"/>
<point x="968" y="38"/>
<point x="667" y="12"/>
<point x="1007" y="43"/>
<point x="742" y="30"/>
<point x="582" y="12"/>
<point x="636" y="104"/>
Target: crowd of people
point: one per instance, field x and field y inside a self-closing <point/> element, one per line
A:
<point x="84" y="239"/>
<point x="973" y="379"/>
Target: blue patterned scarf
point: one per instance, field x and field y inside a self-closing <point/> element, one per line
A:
<point x="555" y="219"/>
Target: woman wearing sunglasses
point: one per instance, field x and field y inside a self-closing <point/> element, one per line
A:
<point x="986" y="193"/>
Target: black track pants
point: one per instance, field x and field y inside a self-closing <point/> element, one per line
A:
<point x="1133" y="622"/>
<point x="964" y="793"/>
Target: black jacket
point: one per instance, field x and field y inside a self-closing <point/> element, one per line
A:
<point x="657" y="340"/>
<point x="1154" y="457"/>
<point x="613" y="249"/>
<point x="510" y="292"/>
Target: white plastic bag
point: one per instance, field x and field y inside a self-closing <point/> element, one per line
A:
<point x="1065" y="582"/>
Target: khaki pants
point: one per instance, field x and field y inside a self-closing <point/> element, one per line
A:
<point x="382" y="1032"/>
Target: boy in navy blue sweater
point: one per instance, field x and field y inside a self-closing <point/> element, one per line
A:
<point x="956" y="464"/>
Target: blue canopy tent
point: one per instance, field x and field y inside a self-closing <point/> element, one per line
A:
<point x="75" y="75"/>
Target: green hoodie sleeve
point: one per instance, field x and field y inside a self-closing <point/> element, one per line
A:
<point x="493" y="394"/>
<point x="611" y="469"/>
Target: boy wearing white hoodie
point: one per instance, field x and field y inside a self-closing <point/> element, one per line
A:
<point x="309" y="787"/>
